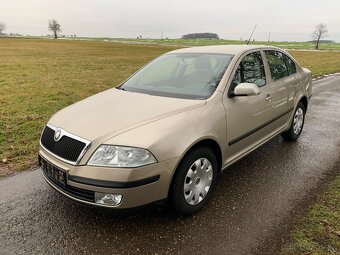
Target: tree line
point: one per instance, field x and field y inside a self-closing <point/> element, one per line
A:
<point x="54" y="26"/>
<point x="200" y="36"/>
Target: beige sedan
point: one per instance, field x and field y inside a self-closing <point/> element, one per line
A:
<point x="167" y="131"/>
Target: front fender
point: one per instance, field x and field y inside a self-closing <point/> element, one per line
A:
<point x="173" y="136"/>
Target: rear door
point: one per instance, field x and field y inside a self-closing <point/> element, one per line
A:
<point x="282" y="81"/>
<point x="247" y="116"/>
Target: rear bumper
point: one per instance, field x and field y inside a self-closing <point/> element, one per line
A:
<point x="139" y="186"/>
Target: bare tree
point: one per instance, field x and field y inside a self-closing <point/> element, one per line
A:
<point x="55" y="27"/>
<point x="2" y="27"/>
<point x="319" y="33"/>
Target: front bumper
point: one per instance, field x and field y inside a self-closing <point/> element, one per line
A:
<point x="139" y="186"/>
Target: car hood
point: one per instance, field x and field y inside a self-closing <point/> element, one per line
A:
<point x="115" y="111"/>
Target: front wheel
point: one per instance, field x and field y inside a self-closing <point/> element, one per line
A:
<point x="293" y="133"/>
<point x="194" y="181"/>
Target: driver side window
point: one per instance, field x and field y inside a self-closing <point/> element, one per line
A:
<point x="250" y="70"/>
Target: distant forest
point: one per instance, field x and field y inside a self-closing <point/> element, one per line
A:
<point x="322" y="41"/>
<point x="201" y="36"/>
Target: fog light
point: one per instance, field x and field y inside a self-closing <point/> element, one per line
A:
<point x="108" y="199"/>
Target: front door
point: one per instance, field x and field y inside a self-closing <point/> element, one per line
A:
<point x="247" y="116"/>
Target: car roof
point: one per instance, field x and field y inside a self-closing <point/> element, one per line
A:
<point x="222" y="49"/>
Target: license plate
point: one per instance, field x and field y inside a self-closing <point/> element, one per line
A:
<point x="53" y="173"/>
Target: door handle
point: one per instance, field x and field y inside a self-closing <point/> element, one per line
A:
<point x="268" y="97"/>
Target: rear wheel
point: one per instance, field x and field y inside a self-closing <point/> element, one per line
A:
<point x="293" y="133"/>
<point x="194" y="181"/>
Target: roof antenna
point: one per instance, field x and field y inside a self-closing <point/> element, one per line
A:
<point x="251" y="34"/>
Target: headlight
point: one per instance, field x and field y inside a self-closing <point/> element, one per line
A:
<point x="118" y="156"/>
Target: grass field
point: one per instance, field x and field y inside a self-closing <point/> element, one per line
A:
<point x="39" y="77"/>
<point x="319" y="232"/>
<point x="203" y="42"/>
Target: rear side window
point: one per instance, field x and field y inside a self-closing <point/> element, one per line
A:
<point x="277" y="64"/>
<point x="290" y="64"/>
<point x="250" y="70"/>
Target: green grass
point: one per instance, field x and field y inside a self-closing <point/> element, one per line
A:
<point x="40" y="76"/>
<point x="319" y="232"/>
<point x="319" y="62"/>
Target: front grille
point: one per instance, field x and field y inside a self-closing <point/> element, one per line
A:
<point x="67" y="148"/>
<point x="49" y="168"/>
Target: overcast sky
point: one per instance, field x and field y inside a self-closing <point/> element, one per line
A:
<point x="290" y="20"/>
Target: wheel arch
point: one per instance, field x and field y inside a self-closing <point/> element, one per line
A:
<point x="211" y="144"/>
<point x="206" y="142"/>
<point x="304" y="101"/>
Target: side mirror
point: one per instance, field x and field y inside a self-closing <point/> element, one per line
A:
<point x="246" y="89"/>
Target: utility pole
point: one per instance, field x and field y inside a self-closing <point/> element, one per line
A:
<point x="251" y="34"/>
<point x="162" y="36"/>
<point x="269" y="37"/>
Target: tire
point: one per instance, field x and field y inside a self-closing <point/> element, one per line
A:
<point x="295" y="129"/>
<point x="197" y="170"/>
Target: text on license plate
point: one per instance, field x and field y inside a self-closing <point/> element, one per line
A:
<point x="53" y="172"/>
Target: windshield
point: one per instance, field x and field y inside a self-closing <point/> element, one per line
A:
<point x="184" y="75"/>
